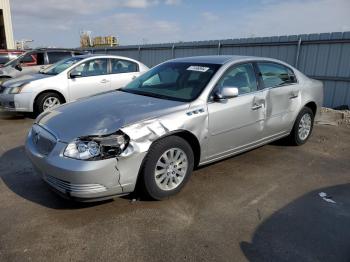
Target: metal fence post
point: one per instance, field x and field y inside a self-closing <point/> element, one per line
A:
<point x="139" y="50"/>
<point x="173" y="51"/>
<point x="219" y="48"/>
<point x="298" y="53"/>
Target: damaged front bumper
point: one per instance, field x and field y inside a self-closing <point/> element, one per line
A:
<point x="78" y="179"/>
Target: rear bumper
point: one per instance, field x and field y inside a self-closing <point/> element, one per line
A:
<point x="16" y="102"/>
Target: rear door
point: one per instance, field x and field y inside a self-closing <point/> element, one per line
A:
<point x="236" y="123"/>
<point x="122" y="72"/>
<point x="93" y="79"/>
<point x="283" y="96"/>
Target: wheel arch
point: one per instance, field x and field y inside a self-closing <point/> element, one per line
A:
<point x="313" y="106"/>
<point x="49" y="91"/>
<point x="190" y="138"/>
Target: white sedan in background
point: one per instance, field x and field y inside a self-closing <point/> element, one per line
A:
<point x="68" y="80"/>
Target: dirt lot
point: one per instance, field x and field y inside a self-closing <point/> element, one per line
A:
<point x="263" y="205"/>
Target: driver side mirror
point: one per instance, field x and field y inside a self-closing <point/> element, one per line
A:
<point x="225" y="93"/>
<point x="75" y="74"/>
<point x="18" y="67"/>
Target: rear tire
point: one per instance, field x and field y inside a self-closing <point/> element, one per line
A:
<point x="302" y="128"/>
<point x="166" y="168"/>
<point x="46" y="101"/>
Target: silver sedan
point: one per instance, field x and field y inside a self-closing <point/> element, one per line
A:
<point x="181" y="114"/>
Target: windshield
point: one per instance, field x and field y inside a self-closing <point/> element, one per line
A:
<point x="174" y="81"/>
<point x="61" y="65"/>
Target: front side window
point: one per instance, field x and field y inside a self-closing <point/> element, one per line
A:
<point x="275" y="74"/>
<point x="174" y="81"/>
<point x="94" y="67"/>
<point x="61" y="66"/>
<point x="242" y="77"/>
<point x="123" y="66"/>
<point x="57" y="56"/>
<point x="28" y="58"/>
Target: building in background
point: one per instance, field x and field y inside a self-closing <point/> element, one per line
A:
<point x="6" y="33"/>
<point x="104" y="41"/>
<point x="86" y="40"/>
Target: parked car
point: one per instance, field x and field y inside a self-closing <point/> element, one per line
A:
<point x="8" y="55"/>
<point x="68" y="80"/>
<point x="33" y="61"/>
<point x="181" y="114"/>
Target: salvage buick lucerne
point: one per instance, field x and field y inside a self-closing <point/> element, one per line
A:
<point x="181" y="114"/>
<point x="68" y="80"/>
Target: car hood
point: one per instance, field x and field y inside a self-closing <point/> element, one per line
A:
<point x="24" y="79"/>
<point x="104" y="114"/>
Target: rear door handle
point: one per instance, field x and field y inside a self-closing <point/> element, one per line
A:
<point x="256" y="106"/>
<point x="103" y="81"/>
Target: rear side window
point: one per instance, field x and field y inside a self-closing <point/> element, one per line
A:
<point x="57" y="56"/>
<point x="274" y="74"/>
<point x="123" y="66"/>
<point x="4" y="58"/>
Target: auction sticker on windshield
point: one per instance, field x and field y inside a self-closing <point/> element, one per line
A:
<point x="198" y="68"/>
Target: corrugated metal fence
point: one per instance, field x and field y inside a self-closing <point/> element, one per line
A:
<point x="321" y="56"/>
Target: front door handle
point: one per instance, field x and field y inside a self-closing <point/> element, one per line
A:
<point x="256" y="106"/>
<point x="103" y="81"/>
<point x="292" y="96"/>
<point x="133" y="77"/>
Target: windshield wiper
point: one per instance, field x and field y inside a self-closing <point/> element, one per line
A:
<point x="142" y="93"/>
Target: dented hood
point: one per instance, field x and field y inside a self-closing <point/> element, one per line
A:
<point x="104" y="114"/>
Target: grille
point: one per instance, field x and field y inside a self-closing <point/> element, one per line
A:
<point x="43" y="140"/>
<point x="65" y="186"/>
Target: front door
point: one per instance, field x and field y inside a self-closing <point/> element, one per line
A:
<point x="237" y="123"/>
<point x="92" y="78"/>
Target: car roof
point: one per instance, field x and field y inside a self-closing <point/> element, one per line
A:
<point x="219" y="59"/>
<point x="104" y="56"/>
<point x="55" y="49"/>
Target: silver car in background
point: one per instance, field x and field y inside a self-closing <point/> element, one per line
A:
<point x="179" y="115"/>
<point x="68" y="80"/>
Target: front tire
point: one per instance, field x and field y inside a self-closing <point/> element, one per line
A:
<point x="46" y="101"/>
<point x="167" y="167"/>
<point x="302" y="128"/>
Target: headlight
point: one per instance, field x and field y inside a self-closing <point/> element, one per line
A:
<point x="17" y="89"/>
<point x="97" y="147"/>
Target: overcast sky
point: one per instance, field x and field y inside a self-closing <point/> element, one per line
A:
<point x="58" y="22"/>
